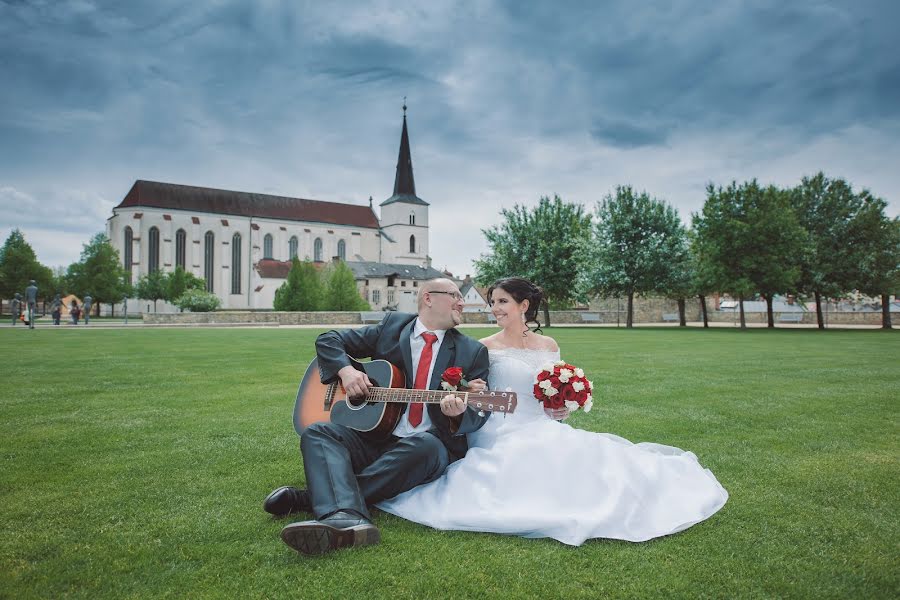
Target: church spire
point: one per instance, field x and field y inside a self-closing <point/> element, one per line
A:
<point x="404" y="183"/>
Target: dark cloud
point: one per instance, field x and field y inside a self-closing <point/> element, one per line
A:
<point x="508" y="100"/>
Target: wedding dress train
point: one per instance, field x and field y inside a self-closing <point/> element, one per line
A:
<point x="527" y="475"/>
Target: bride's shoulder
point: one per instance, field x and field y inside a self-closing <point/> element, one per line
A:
<point x="490" y="342"/>
<point x="546" y="343"/>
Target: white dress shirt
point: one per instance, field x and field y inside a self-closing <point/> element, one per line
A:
<point x="416" y="344"/>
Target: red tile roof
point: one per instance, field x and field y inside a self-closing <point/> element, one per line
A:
<point x="245" y="204"/>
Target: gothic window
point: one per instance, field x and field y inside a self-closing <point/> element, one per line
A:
<point x="317" y="250"/>
<point x="342" y="250"/>
<point x="412" y="244"/>
<point x="209" y="248"/>
<point x="292" y="248"/>
<point x="129" y="241"/>
<point x="180" y="248"/>
<point x="153" y="252"/>
<point x="267" y="246"/>
<point x="412" y="218"/>
<point x="236" y="264"/>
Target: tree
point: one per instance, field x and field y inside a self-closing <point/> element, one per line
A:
<point x="152" y="286"/>
<point x="342" y="293"/>
<point x="99" y="273"/>
<point x="179" y="281"/>
<point x="547" y="244"/>
<point x="640" y="246"/>
<point x="835" y="219"/>
<point x="879" y="255"/>
<point x="19" y="265"/>
<point x="302" y="291"/>
<point x="748" y="240"/>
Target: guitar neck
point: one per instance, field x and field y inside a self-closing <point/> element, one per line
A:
<point x="381" y="394"/>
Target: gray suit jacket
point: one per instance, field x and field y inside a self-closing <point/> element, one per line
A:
<point x="389" y="340"/>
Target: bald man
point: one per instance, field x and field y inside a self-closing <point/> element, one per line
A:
<point x="345" y="471"/>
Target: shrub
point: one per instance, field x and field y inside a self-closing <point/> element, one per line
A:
<point x="197" y="301"/>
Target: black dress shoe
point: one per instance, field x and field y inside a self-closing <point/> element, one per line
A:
<point x="340" y="530"/>
<point x="286" y="500"/>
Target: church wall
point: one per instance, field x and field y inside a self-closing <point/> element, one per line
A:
<point x="252" y="231"/>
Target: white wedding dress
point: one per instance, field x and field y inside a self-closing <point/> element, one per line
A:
<point x="527" y="475"/>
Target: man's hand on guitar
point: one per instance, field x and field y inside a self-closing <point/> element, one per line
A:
<point x="477" y="385"/>
<point x="452" y="406"/>
<point x="356" y="383"/>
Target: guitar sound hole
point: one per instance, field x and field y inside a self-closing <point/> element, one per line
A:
<point x="356" y="402"/>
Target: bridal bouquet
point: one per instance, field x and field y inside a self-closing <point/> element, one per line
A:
<point x="561" y="385"/>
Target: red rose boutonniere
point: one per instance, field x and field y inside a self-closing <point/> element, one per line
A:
<point x="452" y="379"/>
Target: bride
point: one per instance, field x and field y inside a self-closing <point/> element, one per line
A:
<point x="529" y="474"/>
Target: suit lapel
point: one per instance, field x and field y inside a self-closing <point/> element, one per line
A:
<point x="445" y="355"/>
<point x="405" y="350"/>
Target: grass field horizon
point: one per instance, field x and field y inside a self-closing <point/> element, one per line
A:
<point x="135" y="461"/>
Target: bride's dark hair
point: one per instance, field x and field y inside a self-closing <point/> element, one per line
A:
<point x="521" y="289"/>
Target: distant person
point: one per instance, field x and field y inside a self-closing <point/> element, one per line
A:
<point x="31" y="302"/>
<point x="56" y="309"/>
<point x="74" y="311"/>
<point x="16" y="307"/>
<point x="86" y="304"/>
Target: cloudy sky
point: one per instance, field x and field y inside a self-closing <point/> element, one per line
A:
<point x="508" y="101"/>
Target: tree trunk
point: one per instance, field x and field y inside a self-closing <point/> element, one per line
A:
<point x="703" y="311"/>
<point x="743" y="320"/>
<point x="547" y="313"/>
<point x="886" y="311"/>
<point x="112" y="309"/>
<point x="682" y="322"/>
<point x="820" y="319"/>
<point x="770" y="316"/>
<point x="629" y="318"/>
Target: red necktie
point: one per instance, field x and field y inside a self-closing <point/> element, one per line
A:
<point x="421" y="383"/>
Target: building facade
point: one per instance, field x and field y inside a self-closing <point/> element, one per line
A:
<point x="242" y="243"/>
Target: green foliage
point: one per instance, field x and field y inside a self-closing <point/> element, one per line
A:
<point x="152" y="286"/>
<point x="546" y="244"/>
<point x="99" y="273"/>
<point x="179" y="281"/>
<point x="879" y="252"/>
<point x="640" y="247"/>
<point x="197" y="299"/>
<point x="19" y="265"/>
<point x="341" y="292"/>
<point x="303" y="289"/>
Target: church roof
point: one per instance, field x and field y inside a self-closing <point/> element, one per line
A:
<point x="365" y="270"/>
<point x="404" y="183"/>
<point x="200" y="199"/>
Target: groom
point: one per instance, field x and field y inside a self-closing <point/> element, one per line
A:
<point x="346" y="471"/>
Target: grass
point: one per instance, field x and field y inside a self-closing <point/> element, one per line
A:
<point x="133" y="463"/>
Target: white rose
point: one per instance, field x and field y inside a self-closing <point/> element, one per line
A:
<point x="579" y="372"/>
<point x="577" y="386"/>
<point x="591" y="385"/>
<point x="587" y="405"/>
<point x="564" y="375"/>
<point x="551" y="391"/>
<point x="559" y="363"/>
<point x="545" y="384"/>
<point x="548" y="367"/>
<point x="571" y="405"/>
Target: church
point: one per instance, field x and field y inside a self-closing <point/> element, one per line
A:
<point x="242" y="243"/>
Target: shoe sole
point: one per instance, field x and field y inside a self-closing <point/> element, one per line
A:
<point x="314" y="538"/>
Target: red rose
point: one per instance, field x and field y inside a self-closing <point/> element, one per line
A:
<point x="581" y="397"/>
<point x="452" y="375"/>
<point x="567" y="393"/>
<point x="538" y="391"/>
<point x="543" y="375"/>
<point x="554" y="381"/>
<point x="555" y="401"/>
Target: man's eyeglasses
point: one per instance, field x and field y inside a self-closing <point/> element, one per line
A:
<point x="454" y="295"/>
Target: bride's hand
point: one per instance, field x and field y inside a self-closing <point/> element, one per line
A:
<point x="557" y="414"/>
<point x="477" y="385"/>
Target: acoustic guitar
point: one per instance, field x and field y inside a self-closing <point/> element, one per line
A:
<point x="378" y="413"/>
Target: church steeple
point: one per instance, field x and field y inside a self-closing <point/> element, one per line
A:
<point x="404" y="183"/>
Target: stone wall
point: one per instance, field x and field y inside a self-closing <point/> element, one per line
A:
<point x="649" y="313"/>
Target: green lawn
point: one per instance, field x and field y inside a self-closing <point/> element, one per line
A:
<point x="134" y="464"/>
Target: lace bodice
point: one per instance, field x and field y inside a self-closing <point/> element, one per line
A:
<point x="514" y="369"/>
